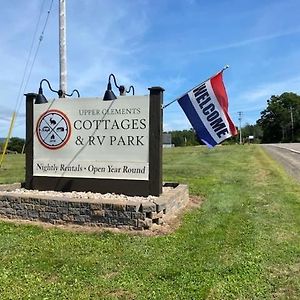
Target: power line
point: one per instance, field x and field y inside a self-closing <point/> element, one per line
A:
<point x="36" y="51"/>
<point x="28" y="58"/>
<point x="22" y="86"/>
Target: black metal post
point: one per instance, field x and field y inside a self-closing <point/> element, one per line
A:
<point x="155" y="141"/>
<point x="30" y="97"/>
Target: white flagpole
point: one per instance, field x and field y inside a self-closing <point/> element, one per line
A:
<point x="62" y="48"/>
<point x="225" y="67"/>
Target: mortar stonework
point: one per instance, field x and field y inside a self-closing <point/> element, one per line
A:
<point x="92" y="212"/>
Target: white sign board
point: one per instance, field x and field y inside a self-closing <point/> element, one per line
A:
<point x="91" y="138"/>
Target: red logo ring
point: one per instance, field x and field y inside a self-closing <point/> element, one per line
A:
<point x="53" y="129"/>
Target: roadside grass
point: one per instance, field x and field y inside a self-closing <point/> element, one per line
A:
<point x="242" y="243"/>
<point x="12" y="169"/>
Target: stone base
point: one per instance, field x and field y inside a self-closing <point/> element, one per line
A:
<point x="93" y="212"/>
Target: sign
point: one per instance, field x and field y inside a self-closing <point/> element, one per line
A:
<point x="91" y="138"/>
<point x="53" y="129"/>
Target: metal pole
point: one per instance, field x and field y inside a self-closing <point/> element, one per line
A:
<point x="240" y="119"/>
<point x="62" y="48"/>
<point x="292" y="123"/>
<point x="225" y="67"/>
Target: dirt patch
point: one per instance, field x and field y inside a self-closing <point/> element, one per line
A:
<point x="173" y="222"/>
<point x="286" y="274"/>
<point x="120" y="294"/>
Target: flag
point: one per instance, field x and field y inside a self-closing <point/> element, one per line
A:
<point x="206" y="107"/>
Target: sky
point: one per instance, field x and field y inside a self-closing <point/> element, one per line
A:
<point x="175" y="44"/>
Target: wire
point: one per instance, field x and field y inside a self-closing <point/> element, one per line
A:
<point x="29" y="55"/>
<point x="19" y="98"/>
<point x="36" y="51"/>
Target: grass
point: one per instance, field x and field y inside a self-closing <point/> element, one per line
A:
<point x="242" y="243"/>
<point x="12" y="169"/>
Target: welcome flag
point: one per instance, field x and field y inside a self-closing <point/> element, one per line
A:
<point x="206" y="107"/>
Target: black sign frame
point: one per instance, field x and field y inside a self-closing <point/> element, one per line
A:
<point x="153" y="186"/>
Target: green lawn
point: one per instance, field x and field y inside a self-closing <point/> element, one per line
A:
<point x="242" y="243"/>
<point x="12" y="169"/>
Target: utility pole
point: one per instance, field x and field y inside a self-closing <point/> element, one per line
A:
<point x="292" y="123"/>
<point x="62" y="48"/>
<point x="240" y="120"/>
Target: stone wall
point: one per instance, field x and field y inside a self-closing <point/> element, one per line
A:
<point x="92" y="212"/>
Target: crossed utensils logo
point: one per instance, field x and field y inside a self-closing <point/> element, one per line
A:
<point x="53" y="129"/>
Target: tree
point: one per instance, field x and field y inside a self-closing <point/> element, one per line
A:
<point x="16" y="144"/>
<point x="184" y="137"/>
<point x="252" y="130"/>
<point x="280" y="121"/>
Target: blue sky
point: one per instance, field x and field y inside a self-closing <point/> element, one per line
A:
<point x="175" y="44"/>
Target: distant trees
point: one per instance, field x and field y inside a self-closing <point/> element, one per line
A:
<point x="16" y="144"/>
<point x="189" y="137"/>
<point x="184" y="138"/>
<point x="252" y="130"/>
<point x="280" y="121"/>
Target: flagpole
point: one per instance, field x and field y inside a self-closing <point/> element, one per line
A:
<point x="223" y="69"/>
<point x="62" y="48"/>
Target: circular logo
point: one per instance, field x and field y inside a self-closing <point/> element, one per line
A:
<point x="53" y="129"/>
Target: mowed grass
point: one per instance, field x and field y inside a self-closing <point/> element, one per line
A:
<point x="12" y="169"/>
<point x="242" y="243"/>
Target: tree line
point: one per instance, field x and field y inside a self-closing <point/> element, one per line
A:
<point x="279" y="122"/>
<point x="15" y="144"/>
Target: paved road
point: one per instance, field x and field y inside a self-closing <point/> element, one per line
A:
<point x="288" y="155"/>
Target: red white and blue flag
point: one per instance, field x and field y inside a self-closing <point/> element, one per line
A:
<point x="206" y="107"/>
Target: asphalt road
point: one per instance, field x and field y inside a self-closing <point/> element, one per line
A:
<point x="288" y="155"/>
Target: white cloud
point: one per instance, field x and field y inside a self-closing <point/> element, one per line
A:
<point x="148" y="43"/>
<point x="247" y="42"/>
<point x="178" y="124"/>
<point x="98" y="44"/>
<point x="266" y="90"/>
<point x="254" y="100"/>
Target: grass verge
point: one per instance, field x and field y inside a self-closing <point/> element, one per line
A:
<point x="242" y="243"/>
<point x="12" y="169"/>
